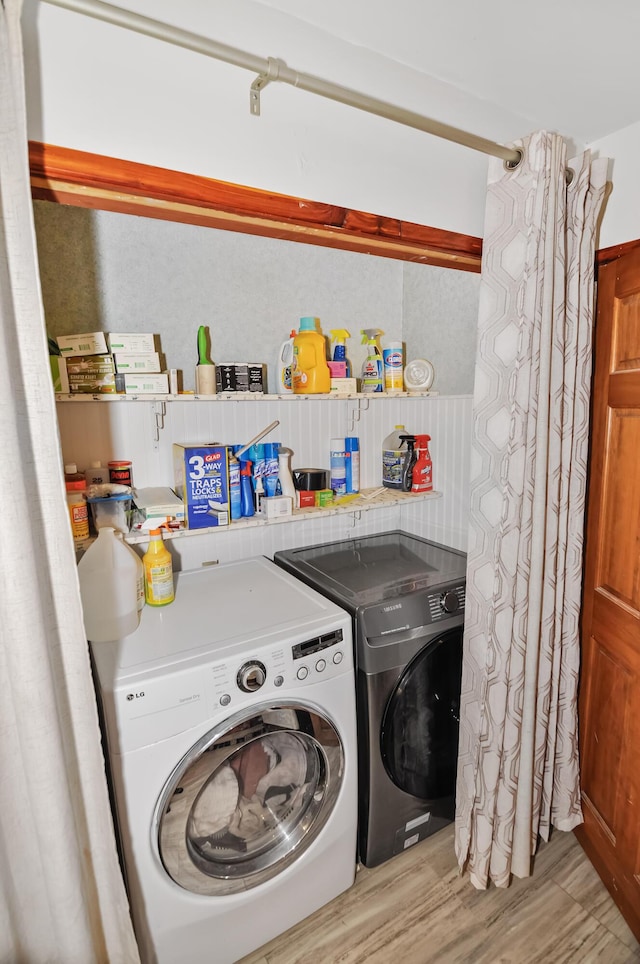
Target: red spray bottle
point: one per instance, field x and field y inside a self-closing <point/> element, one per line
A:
<point x="422" y="470"/>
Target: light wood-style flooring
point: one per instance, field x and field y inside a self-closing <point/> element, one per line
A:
<point x="417" y="909"/>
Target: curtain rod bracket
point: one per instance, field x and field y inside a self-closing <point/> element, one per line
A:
<point x="274" y="65"/>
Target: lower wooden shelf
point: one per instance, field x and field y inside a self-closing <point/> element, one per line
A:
<point x="366" y="500"/>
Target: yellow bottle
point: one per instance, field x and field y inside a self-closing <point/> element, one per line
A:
<point x="158" y="568"/>
<point x="310" y="373"/>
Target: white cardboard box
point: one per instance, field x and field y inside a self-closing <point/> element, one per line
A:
<point x="133" y="342"/>
<point x="149" y="384"/>
<point x="137" y="361"/>
<point x="89" y="343"/>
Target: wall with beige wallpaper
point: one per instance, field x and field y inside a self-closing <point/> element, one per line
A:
<point x="114" y="272"/>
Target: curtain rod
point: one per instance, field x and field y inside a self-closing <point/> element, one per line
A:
<point x="272" y="69"/>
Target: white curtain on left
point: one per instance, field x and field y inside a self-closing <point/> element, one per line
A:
<point x="62" y="895"/>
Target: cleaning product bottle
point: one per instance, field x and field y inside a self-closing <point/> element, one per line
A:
<point x="393" y="453"/>
<point x="76" y="489"/>
<point x="393" y="366"/>
<point x="235" y="499"/>
<point x="158" y="567"/>
<point x="338" y="480"/>
<point x="423" y="470"/>
<point x="311" y="375"/>
<point x="352" y="464"/>
<point x="108" y="576"/>
<point x="372" y="375"/>
<point x="285" y="479"/>
<point x="408" y="462"/>
<point x="338" y="339"/>
<point x="246" y="490"/>
<point x="284" y="366"/>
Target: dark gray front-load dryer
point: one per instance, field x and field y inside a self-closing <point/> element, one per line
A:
<point x="406" y="596"/>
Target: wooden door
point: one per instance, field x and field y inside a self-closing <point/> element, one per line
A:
<point x="610" y="683"/>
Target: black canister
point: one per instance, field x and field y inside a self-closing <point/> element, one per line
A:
<point x="310" y="480"/>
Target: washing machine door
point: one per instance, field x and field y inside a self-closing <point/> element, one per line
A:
<point x="249" y="798"/>
<point x="419" y="734"/>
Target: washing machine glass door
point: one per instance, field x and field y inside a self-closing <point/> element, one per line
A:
<point x="419" y="735"/>
<point x="249" y="798"/>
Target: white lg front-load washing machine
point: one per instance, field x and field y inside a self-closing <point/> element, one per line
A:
<point x="229" y="718"/>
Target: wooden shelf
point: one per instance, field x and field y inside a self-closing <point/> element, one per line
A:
<point x="368" y="499"/>
<point x="238" y="397"/>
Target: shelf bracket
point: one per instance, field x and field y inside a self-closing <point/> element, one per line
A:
<point x="261" y="81"/>
<point x="159" y="413"/>
<point x="356" y="411"/>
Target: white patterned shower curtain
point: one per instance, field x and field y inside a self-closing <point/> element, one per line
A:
<point x="62" y="897"/>
<point x="518" y="767"/>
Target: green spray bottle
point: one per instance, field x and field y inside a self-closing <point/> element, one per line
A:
<point x="372" y="374"/>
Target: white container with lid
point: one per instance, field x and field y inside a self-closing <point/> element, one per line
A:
<point x="109" y="585"/>
<point x="419" y="375"/>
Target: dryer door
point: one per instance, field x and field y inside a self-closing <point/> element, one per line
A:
<point x="419" y="736"/>
<point x="249" y="798"/>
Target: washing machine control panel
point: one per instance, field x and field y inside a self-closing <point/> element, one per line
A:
<point x="289" y="664"/>
<point x="317" y="644"/>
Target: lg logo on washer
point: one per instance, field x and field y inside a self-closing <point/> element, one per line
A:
<point x="135" y="696"/>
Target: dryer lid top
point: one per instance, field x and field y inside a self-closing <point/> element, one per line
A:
<point x="365" y="570"/>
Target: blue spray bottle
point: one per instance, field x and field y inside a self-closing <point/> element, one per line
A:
<point x="338" y="338"/>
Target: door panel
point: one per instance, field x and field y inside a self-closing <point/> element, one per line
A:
<point x="610" y="683"/>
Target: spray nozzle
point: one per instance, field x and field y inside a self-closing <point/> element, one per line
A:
<point x="153" y="526"/>
<point x="339" y="334"/>
<point x="370" y="335"/>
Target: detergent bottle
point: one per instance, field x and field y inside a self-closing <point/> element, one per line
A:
<point x="423" y="470"/>
<point x="158" y="567"/>
<point x="284" y="366"/>
<point x="372" y="375"/>
<point x="310" y="374"/>
<point x="338" y="340"/>
<point x="393" y="453"/>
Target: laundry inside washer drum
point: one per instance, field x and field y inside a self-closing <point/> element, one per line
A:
<point x="262" y="788"/>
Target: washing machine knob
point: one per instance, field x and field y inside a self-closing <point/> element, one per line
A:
<point x="251" y="676"/>
<point x="449" y="601"/>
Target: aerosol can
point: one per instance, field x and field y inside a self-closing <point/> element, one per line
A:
<point x="422" y="470"/>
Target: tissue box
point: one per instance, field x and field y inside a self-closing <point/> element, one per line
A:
<point x="201" y="474"/>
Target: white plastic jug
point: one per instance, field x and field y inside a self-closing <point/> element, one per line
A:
<point x="393" y="453"/>
<point x="108" y="574"/>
